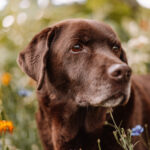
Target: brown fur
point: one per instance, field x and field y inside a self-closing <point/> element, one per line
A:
<point x="69" y="115"/>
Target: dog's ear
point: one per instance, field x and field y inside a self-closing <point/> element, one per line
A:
<point x="123" y="57"/>
<point x="32" y="59"/>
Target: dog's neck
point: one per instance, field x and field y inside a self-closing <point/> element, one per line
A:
<point x="68" y="122"/>
<point x="65" y="111"/>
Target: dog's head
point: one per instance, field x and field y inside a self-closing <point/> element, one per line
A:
<point x="84" y="61"/>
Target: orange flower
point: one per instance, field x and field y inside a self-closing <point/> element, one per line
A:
<point x="31" y="82"/>
<point x="6" y="78"/>
<point x="6" y="126"/>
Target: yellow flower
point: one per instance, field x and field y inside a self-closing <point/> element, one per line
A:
<point x="6" y="126"/>
<point x="6" y="78"/>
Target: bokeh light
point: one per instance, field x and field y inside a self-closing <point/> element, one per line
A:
<point x="144" y="3"/>
<point x="8" y="21"/>
<point x="43" y="3"/>
<point x="60" y="2"/>
<point x="3" y="4"/>
<point x="24" y="4"/>
<point x="21" y="18"/>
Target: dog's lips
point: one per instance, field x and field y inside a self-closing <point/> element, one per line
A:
<point x="112" y="101"/>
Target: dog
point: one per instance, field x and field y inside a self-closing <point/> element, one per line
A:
<point x="81" y="72"/>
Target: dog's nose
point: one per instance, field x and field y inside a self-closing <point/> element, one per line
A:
<point x="119" y="72"/>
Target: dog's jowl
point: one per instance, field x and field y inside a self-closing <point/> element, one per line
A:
<point x="81" y="72"/>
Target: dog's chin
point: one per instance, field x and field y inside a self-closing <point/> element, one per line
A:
<point x="113" y="101"/>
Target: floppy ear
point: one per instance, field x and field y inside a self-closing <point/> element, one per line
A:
<point x="123" y="56"/>
<point x="32" y="59"/>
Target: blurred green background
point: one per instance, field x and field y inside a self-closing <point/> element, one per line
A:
<point x="20" y="20"/>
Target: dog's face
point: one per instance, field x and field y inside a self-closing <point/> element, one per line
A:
<point x="84" y="61"/>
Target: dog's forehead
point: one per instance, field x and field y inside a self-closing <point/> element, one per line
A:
<point x="87" y="28"/>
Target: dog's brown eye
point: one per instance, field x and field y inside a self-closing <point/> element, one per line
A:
<point x="116" y="48"/>
<point x="76" y="48"/>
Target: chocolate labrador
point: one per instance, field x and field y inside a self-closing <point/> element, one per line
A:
<point x="81" y="71"/>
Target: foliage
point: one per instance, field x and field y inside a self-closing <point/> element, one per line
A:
<point x="123" y="138"/>
<point x="21" y="110"/>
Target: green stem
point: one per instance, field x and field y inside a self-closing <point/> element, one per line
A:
<point x="3" y="141"/>
<point x="118" y="130"/>
<point x="99" y="147"/>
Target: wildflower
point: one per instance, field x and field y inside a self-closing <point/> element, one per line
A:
<point x="6" y="78"/>
<point x="6" y="126"/>
<point x="31" y="82"/>
<point x="137" y="130"/>
<point x="24" y="92"/>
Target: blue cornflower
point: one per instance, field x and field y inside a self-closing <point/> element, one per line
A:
<point x="24" y="92"/>
<point x="137" y="130"/>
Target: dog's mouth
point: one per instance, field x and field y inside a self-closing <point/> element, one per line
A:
<point x="114" y="100"/>
<point x="120" y="97"/>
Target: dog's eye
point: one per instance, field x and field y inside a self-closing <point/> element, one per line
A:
<point x="76" y="48"/>
<point x="116" y="48"/>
